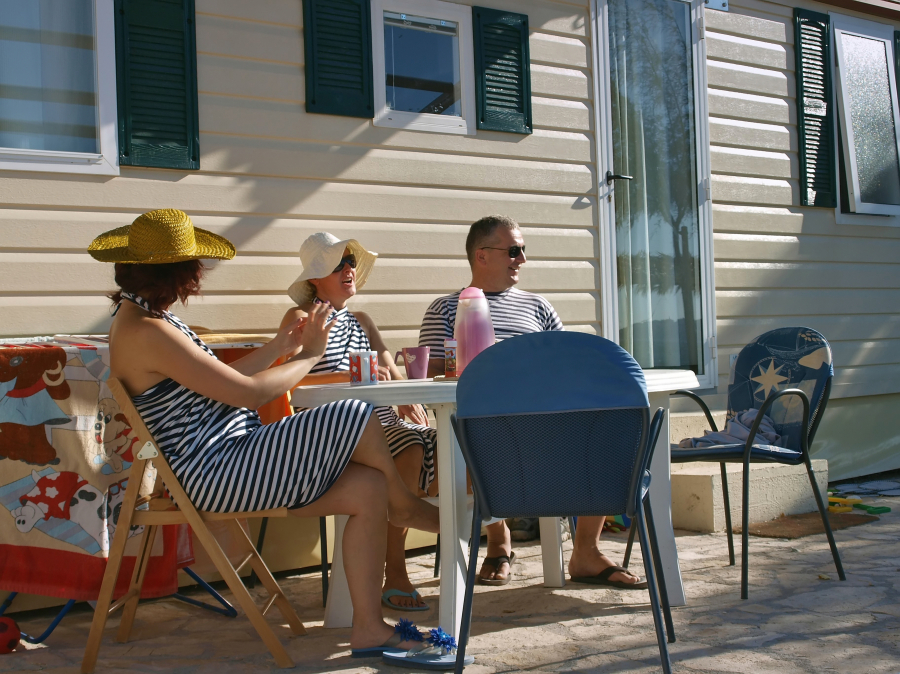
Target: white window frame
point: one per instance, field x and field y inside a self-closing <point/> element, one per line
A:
<point x="606" y="193"/>
<point x="106" y="162"/>
<point x="422" y="121"/>
<point x="874" y="31"/>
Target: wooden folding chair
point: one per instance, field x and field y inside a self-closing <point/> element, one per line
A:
<point x="157" y="510"/>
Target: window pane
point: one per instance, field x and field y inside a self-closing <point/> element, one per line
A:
<point x="657" y="217"/>
<point x="421" y="64"/>
<point x="867" y="83"/>
<point x="48" y="91"/>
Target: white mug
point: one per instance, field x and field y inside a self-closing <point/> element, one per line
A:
<point x="363" y="368"/>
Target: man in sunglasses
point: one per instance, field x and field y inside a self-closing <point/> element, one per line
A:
<point x="496" y="252"/>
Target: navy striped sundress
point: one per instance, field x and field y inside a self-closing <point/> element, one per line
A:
<point x="347" y="336"/>
<point x="228" y="461"/>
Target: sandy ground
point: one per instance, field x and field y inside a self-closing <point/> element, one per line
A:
<point x="799" y="618"/>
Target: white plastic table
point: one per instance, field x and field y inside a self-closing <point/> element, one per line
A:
<point x="454" y="521"/>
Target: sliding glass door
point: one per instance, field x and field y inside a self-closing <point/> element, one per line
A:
<point x="656" y="187"/>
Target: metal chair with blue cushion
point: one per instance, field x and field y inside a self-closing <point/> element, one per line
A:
<point x="785" y="374"/>
<point x="574" y="439"/>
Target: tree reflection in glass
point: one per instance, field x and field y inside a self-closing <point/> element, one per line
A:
<point x="657" y="219"/>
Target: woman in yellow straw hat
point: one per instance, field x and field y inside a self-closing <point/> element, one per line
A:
<point x="200" y="410"/>
<point x="333" y="270"/>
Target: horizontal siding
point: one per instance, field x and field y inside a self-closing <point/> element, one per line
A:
<point x="777" y="263"/>
<point x="272" y="174"/>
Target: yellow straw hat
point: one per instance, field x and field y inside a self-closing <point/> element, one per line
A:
<point x="160" y="237"/>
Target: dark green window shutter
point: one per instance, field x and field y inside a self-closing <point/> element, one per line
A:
<point x="156" y="77"/>
<point x="897" y="59"/>
<point x="815" y="108"/>
<point x="337" y="36"/>
<point x="502" y="70"/>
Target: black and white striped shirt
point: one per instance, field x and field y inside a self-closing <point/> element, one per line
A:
<point x="345" y="337"/>
<point x="513" y="312"/>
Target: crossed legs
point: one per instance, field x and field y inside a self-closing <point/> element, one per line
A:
<point x="370" y="491"/>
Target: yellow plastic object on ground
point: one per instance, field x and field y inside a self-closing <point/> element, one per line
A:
<point x="840" y="509"/>
<point x="837" y="499"/>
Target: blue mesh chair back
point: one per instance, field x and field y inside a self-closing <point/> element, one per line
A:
<point x="779" y="359"/>
<point x="552" y="424"/>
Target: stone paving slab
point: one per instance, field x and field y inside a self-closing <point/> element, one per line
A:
<point x="794" y="622"/>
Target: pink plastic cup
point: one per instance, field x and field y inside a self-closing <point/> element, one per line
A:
<point x="416" y="360"/>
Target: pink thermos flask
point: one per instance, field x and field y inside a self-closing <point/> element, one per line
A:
<point x="474" y="331"/>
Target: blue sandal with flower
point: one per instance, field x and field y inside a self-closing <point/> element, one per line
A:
<point x="436" y="652"/>
<point x="405" y="630"/>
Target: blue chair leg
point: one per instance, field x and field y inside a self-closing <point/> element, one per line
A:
<point x="649" y="571"/>
<point x="466" y="623"/>
<point x="227" y="610"/>
<point x="52" y="626"/>
<point x="824" y="512"/>
<point x="728" y="528"/>
<point x="631" y="531"/>
<point x="437" y="556"/>
<point x="745" y="532"/>
<point x="660" y="574"/>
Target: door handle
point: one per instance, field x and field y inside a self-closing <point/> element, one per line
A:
<point x="610" y="176"/>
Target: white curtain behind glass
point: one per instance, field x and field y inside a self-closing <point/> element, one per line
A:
<point x="47" y="75"/>
<point x="657" y="221"/>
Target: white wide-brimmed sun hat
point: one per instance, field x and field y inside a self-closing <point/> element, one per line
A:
<point x="319" y="255"/>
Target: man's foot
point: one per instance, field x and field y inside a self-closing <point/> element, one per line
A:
<point x="593" y="562"/>
<point x="499" y="544"/>
<point x="497" y="569"/>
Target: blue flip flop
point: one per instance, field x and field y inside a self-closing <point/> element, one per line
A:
<point x="386" y="596"/>
<point x="437" y="653"/>
<point x="405" y="630"/>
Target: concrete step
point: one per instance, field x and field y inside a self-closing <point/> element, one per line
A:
<point x="775" y="490"/>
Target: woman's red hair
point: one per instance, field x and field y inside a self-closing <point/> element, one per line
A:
<point x="161" y="285"/>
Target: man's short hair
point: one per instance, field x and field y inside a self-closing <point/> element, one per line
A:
<point x="481" y="231"/>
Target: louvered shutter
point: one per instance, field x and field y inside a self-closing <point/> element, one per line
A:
<point x="815" y="108"/>
<point x="337" y="36"/>
<point x="156" y="73"/>
<point x="502" y="70"/>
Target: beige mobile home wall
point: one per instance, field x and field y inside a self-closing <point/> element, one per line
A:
<point x="778" y="263"/>
<point x="271" y="174"/>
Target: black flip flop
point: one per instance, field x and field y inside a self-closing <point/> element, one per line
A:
<point x="496" y="562"/>
<point x="602" y="578"/>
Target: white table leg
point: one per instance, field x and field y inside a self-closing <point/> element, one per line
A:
<point x="338" y="607"/>
<point x="454" y="523"/>
<point x="661" y="500"/>
<point x="552" y="553"/>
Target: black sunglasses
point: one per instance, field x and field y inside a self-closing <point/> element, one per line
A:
<point x="349" y="259"/>
<point x="513" y="251"/>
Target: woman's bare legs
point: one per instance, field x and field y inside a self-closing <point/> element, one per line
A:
<point x="409" y="465"/>
<point x="361" y="493"/>
<point x="404" y="508"/>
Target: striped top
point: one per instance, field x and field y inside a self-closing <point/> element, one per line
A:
<point x="513" y="312"/>
<point x="227" y="461"/>
<point x="345" y="337"/>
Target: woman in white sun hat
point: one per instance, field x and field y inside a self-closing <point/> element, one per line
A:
<point x="333" y="270"/>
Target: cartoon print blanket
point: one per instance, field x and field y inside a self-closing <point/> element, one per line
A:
<point x="65" y="448"/>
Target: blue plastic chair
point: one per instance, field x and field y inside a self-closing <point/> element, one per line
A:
<point x="785" y="374"/>
<point x="574" y="439"/>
